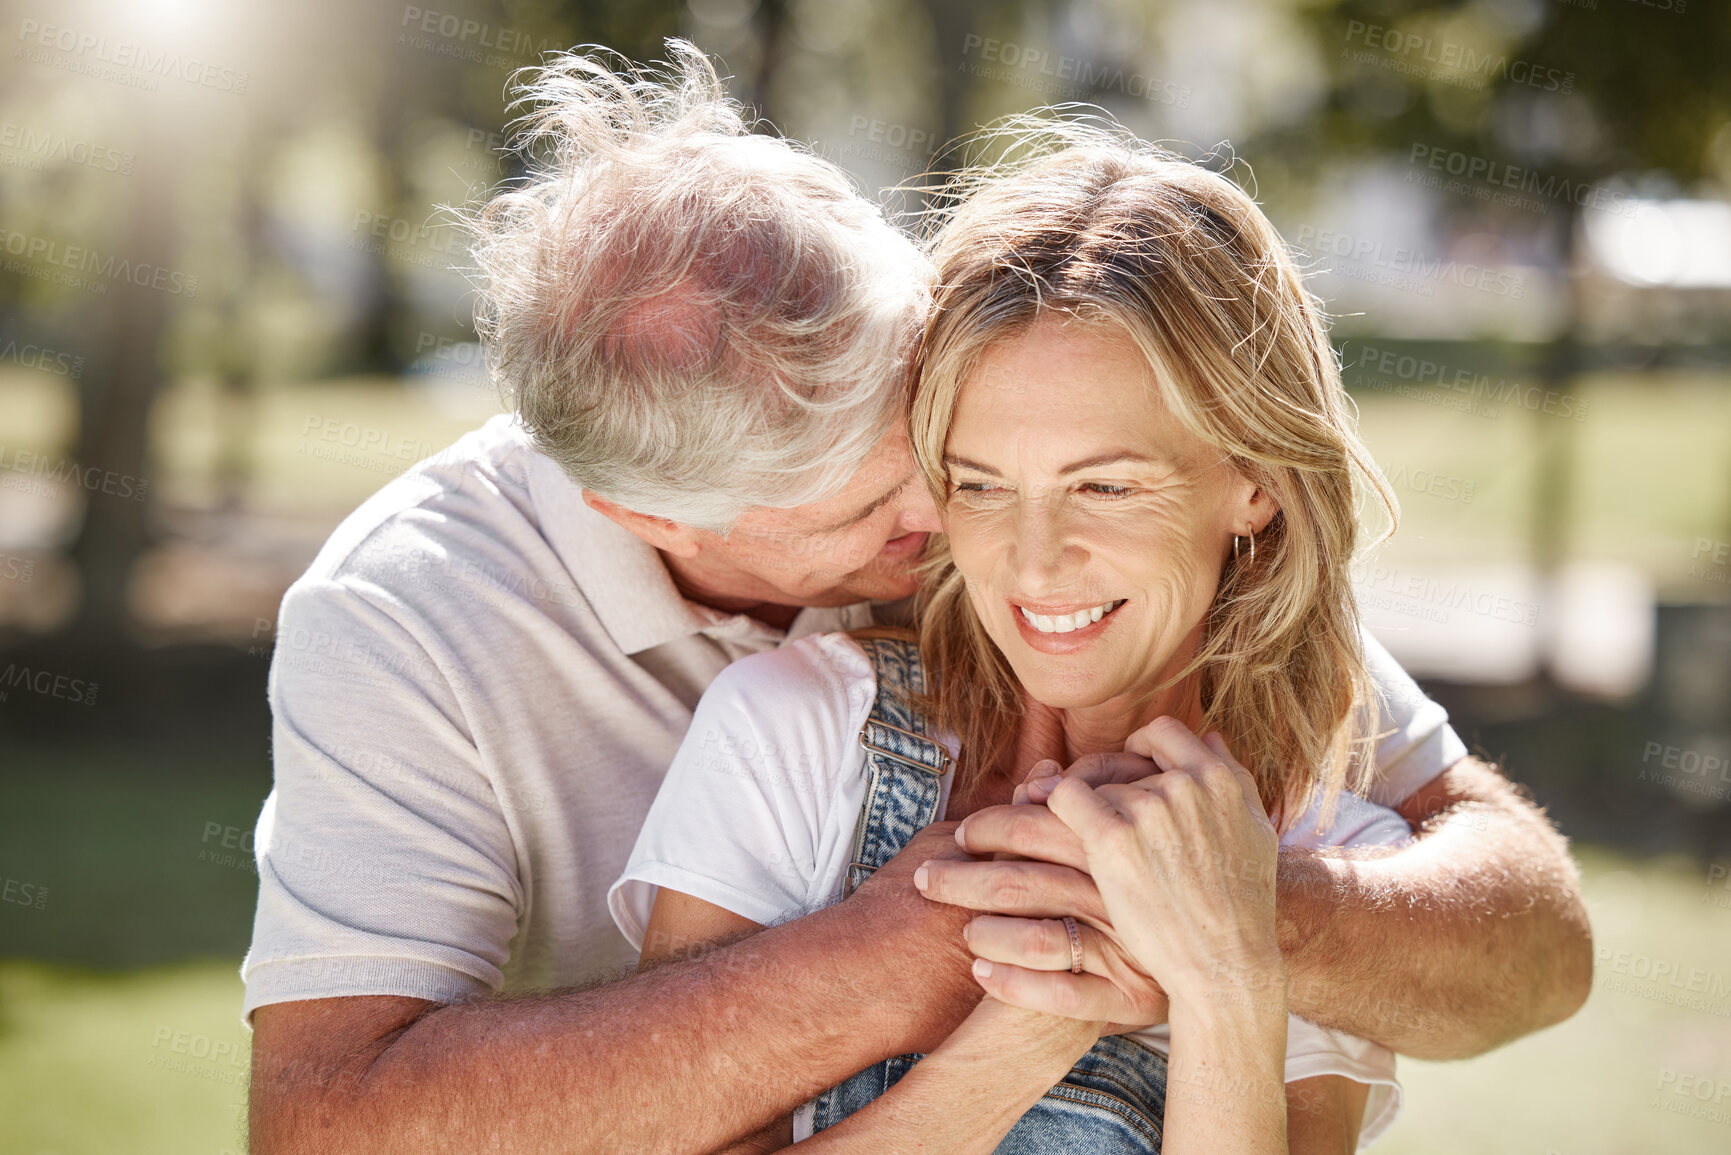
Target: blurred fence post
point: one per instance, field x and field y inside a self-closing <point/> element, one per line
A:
<point x="115" y="402"/>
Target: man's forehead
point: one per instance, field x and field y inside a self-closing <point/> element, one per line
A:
<point x="883" y="477"/>
<point x="831" y="515"/>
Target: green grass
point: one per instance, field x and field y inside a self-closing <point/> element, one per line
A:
<point x="151" y="1062"/>
<point x="120" y="1009"/>
<point x="1591" y="1086"/>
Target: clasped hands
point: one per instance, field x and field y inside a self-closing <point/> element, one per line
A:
<point x="1163" y="854"/>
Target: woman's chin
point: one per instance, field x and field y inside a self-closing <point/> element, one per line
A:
<point x="1066" y="690"/>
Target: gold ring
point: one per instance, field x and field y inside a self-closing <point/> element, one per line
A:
<point x="1075" y="945"/>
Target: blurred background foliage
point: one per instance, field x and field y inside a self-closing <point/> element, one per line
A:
<point x="232" y="305"/>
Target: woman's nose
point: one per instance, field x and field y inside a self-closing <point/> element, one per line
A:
<point x="1045" y="556"/>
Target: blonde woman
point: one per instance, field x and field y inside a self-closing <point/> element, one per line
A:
<point x="1131" y="416"/>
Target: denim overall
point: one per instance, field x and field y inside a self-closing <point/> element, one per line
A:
<point x="1114" y="1098"/>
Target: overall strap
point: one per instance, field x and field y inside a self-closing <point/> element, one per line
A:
<point x="903" y="764"/>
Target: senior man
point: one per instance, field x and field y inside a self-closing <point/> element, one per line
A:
<point x="481" y="680"/>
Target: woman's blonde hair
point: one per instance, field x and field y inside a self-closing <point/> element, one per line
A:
<point x="1086" y="223"/>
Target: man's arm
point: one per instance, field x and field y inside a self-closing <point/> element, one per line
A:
<point x="689" y="1056"/>
<point x="1470" y="937"/>
<point x="1473" y="935"/>
<point x="970" y="1091"/>
<point x="679" y="924"/>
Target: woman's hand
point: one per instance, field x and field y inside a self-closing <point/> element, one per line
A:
<point x="1026" y="962"/>
<point x="1185" y="865"/>
<point x="1185" y="862"/>
<point x="996" y="1029"/>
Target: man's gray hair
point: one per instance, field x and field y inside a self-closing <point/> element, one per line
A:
<point x="689" y="318"/>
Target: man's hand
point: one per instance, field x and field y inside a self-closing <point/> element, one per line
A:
<point x="1155" y="844"/>
<point x="943" y="953"/>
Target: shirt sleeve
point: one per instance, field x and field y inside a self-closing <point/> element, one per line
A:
<point x="751" y="815"/>
<point x="385" y="866"/>
<point x="1415" y="742"/>
<point x="1313" y="1051"/>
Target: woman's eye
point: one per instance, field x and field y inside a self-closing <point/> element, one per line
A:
<point x="1099" y="489"/>
<point x="978" y="496"/>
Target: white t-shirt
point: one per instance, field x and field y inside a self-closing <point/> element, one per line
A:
<point x="757" y="815"/>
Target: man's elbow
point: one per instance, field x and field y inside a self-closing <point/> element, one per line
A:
<point x="1558" y="973"/>
<point x="318" y="1104"/>
<point x="313" y="1088"/>
<point x="1571" y="970"/>
<point x="270" y="1127"/>
<point x="296" y="1124"/>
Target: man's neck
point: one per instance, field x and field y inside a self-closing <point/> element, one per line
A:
<point x="693" y="588"/>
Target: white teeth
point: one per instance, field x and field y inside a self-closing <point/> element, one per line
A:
<point x="1066" y="623"/>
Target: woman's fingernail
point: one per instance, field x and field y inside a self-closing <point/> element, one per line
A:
<point x="920" y="878"/>
<point x="982" y="969"/>
<point x="961" y="835"/>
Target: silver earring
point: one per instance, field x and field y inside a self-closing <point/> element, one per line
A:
<point x="1235" y="541"/>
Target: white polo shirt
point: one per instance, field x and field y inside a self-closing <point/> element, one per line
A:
<point x="477" y="688"/>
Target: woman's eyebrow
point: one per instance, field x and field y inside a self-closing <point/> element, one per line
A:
<point x="964" y="463"/>
<point x="1111" y="458"/>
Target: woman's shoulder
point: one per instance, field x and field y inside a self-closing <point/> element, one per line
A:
<point x="820" y="681"/>
<point x="814" y="665"/>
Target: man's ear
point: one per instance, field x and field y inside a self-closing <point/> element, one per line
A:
<point x="667" y="536"/>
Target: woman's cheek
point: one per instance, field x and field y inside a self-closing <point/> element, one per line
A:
<point x="972" y="534"/>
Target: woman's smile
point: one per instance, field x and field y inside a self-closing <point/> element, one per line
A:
<point x="1062" y="629"/>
